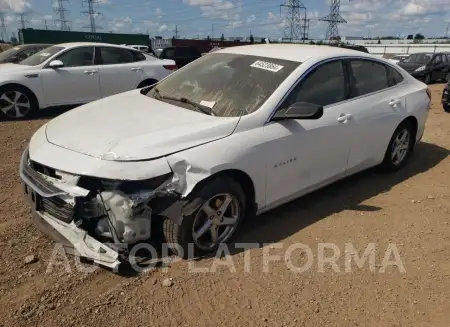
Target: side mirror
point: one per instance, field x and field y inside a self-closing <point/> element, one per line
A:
<point x="55" y="64"/>
<point x="300" y="110"/>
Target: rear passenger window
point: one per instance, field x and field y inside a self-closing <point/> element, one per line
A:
<point x="111" y="56"/>
<point x="324" y="86"/>
<point x="368" y="76"/>
<point x="394" y="77"/>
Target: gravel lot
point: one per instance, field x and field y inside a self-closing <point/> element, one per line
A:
<point x="410" y="209"/>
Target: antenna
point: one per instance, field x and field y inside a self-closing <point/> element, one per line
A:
<point x="292" y="25"/>
<point x="62" y="13"/>
<point x="333" y="18"/>
<point x="92" y="14"/>
<point x="3" y="31"/>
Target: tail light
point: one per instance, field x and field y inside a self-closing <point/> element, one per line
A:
<point x="170" y="67"/>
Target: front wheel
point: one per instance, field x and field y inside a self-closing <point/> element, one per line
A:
<point x="221" y="207"/>
<point x="400" y="148"/>
<point x="447" y="77"/>
<point x="427" y="79"/>
<point x="17" y="102"/>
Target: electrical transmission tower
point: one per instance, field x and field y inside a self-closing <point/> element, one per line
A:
<point x="92" y="14"/>
<point x="62" y="14"/>
<point x="334" y="18"/>
<point x="305" y="33"/>
<point x="4" y="32"/>
<point x="22" y="20"/>
<point x="293" y="19"/>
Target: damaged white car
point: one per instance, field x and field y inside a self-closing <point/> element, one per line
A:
<point x="232" y="134"/>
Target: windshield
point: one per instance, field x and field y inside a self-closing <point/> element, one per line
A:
<point x="419" y="58"/>
<point x="6" y="54"/>
<point x="41" y="56"/>
<point x="231" y="84"/>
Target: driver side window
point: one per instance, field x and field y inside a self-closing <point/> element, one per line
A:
<point x="437" y="59"/>
<point x="78" y="57"/>
<point x="324" y="86"/>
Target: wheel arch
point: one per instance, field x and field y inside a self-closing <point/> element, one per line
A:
<point x="241" y="178"/>
<point x="35" y="98"/>
<point x="413" y="122"/>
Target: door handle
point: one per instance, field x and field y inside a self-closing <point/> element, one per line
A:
<point x="344" y="117"/>
<point x="394" y="102"/>
<point x="136" y="69"/>
<point x="90" y="72"/>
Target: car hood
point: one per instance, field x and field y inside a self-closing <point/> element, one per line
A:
<point x="131" y="126"/>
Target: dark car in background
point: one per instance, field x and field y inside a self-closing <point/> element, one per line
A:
<point x="446" y="97"/>
<point x="21" y="52"/>
<point x="428" y="67"/>
<point x="182" y="55"/>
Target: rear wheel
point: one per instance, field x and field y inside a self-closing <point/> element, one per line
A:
<point x="400" y="148"/>
<point x="222" y="208"/>
<point x="17" y="102"/>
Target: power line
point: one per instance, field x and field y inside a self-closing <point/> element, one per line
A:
<point x="92" y="14"/>
<point x="292" y="22"/>
<point x="334" y="18"/>
<point x="62" y="15"/>
<point x="4" y="32"/>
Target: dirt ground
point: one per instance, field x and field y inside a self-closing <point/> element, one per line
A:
<point x="409" y="209"/>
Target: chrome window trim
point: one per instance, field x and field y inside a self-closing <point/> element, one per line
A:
<point x="305" y="74"/>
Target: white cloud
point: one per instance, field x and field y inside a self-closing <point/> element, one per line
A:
<point x="163" y="28"/>
<point x="104" y="2"/>
<point x="251" y="19"/>
<point x="16" y="6"/>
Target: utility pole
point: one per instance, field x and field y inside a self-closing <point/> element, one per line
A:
<point x="176" y="31"/>
<point x="334" y="18"/>
<point x="62" y="14"/>
<point x="292" y="25"/>
<point x="212" y="31"/>
<point x="4" y="32"/>
<point x="446" y="32"/>
<point x="305" y="33"/>
<point x="21" y="17"/>
<point x="92" y="14"/>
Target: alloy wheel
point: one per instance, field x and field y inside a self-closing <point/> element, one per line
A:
<point x="216" y="221"/>
<point x="400" y="147"/>
<point x="15" y="104"/>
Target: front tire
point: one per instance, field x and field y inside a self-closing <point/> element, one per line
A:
<point x="400" y="148"/>
<point x="222" y="206"/>
<point x="17" y="102"/>
<point x="427" y="79"/>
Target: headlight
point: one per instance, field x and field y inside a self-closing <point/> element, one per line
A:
<point x="420" y="69"/>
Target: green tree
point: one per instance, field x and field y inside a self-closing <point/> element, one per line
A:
<point x="222" y="38"/>
<point x="252" y="40"/>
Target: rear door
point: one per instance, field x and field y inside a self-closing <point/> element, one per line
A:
<point x="378" y="99"/>
<point x="119" y="70"/>
<point x="438" y="68"/>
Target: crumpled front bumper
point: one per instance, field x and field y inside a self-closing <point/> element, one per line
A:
<point x="74" y="240"/>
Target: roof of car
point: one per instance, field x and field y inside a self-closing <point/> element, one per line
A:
<point x="24" y="46"/>
<point x="81" y="44"/>
<point x="292" y="52"/>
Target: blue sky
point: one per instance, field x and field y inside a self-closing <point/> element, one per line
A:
<point x="238" y="17"/>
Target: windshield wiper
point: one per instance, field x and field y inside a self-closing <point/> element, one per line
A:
<point x="205" y="109"/>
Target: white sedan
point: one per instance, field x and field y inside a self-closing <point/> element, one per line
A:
<point x="232" y="134"/>
<point x="75" y="73"/>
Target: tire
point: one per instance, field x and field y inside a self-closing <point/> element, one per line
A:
<point x="427" y="79"/>
<point x="394" y="163"/>
<point x="447" y="77"/>
<point x="146" y="83"/>
<point x="446" y="107"/>
<point x="180" y="237"/>
<point x="17" y="102"/>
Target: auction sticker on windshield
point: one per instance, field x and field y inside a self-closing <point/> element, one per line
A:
<point x="266" y="66"/>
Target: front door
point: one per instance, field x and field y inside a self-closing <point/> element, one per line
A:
<point x="118" y="70"/>
<point x="438" y="68"/>
<point x="76" y="83"/>
<point x="305" y="154"/>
